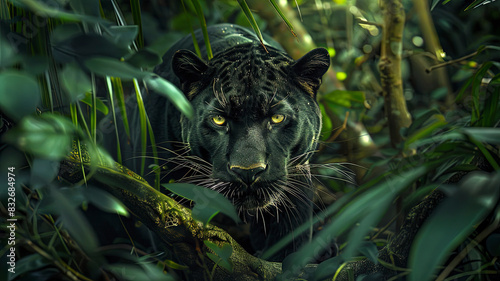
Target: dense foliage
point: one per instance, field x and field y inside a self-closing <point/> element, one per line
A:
<point x="66" y="64"/>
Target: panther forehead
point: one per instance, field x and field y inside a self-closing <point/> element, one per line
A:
<point x="248" y="66"/>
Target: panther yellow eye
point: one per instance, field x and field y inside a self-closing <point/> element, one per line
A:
<point x="277" y="118"/>
<point x="219" y="120"/>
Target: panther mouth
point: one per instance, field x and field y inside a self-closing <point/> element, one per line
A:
<point x="250" y="198"/>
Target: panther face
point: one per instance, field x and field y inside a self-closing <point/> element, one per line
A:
<point x="256" y="121"/>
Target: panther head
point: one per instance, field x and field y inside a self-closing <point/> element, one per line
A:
<point x="256" y="121"/>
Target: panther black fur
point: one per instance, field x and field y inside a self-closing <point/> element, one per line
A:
<point x="255" y="127"/>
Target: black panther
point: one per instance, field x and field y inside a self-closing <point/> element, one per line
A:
<point x="255" y="127"/>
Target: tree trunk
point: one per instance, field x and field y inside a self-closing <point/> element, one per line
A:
<point x="390" y="68"/>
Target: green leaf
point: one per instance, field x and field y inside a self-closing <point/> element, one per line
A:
<point x="251" y="20"/>
<point x="327" y="269"/>
<point x="7" y="53"/>
<point x="358" y="208"/>
<point x="434" y="4"/>
<point x="145" y="271"/>
<point x="174" y="265"/>
<point x="35" y="65"/>
<point x="484" y="135"/>
<point x="477" y="3"/>
<point x="75" y="82"/>
<point x="283" y="17"/>
<point x="451" y="222"/>
<point x="136" y="15"/>
<point x="436" y="122"/>
<point x="105" y="201"/>
<point x="105" y="66"/>
<point x="85" y="7"/>
<point x="53" y="11"/>
<point x="205" y="199"/>
<point x="101" y="106"/>
<point x="19" y="94"/>
<point x="43" y="171"/>
<point x="345" y="98"/>
<point x="74" y="221"/>
<point x="48" y="136"/>
<point x="144" y="58"/>
<point x="167" y="89"/>
<point x="204" y="213"/>
<point x="369" y="250"/>
<point x="421" y="119"/>
<point x="222" y="255"/>
<point x="122" y="36"/>
<point x="83" y="46"/>
<point x="29" y="263"/>
<point x="203" y="24"/>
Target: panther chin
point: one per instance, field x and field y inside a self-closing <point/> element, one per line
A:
<point x="252" y="198"/>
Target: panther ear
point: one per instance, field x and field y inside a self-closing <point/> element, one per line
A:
<point x="189" y="68"/>
<point x="310" y="68"/>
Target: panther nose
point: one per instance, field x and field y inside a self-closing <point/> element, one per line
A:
<point x="250" y="173"/>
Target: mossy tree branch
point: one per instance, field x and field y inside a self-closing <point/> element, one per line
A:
<point x="180" y="234"/>
<point x="390" y="68"/>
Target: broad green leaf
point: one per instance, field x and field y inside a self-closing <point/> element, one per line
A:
<point x="75" y="81"/>
<point x="101" y="106"/>
<point x="204" y="214"/>
<point x="48" y="136"/>
<point x="64" y="33"/>
<point x="144" y="58"/>
<point x="74" y="221"/>
<point x="29" y="263"/>
<point x="19" y="94"/>
<point x="35" y="65"/>
<point x="43" y="171"/>
<point x="451" y="222"/>
<point x="50" y="204"/>
<point x="105" y="201"/>
<point x="16" y="160"/>
<point x="204" y="198"/>
<point x="369" y="250"/>
<point x="355" y="211"/>
<point x="7" y="52"/>
<point x="485" y="135"/>
<point x="357" y="234"/>
<point x="222" y="255"/>
<point x="345" y="98"/>
<point x="83" y="46"/>
<point x="86" y="7"/>
<point x="52" y="11"/>
<point x="164" y="87"/>
<point x="105" y="66"/>
<point x="327" y="269"/>
<point x="143" y="271"/>
<point x="224" y="252"/>
<point x="122" y="36"/>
